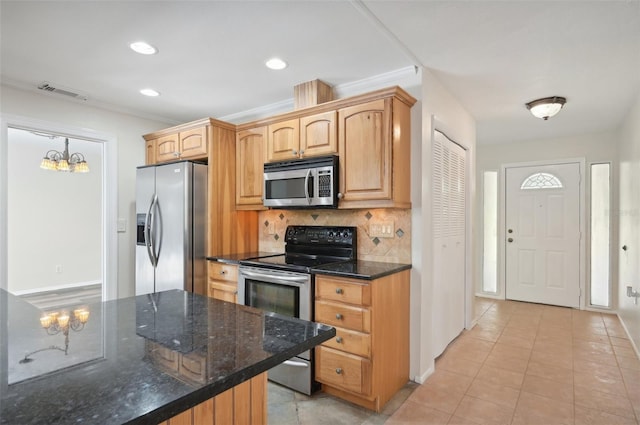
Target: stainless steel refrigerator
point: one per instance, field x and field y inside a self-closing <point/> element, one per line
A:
<point x="171" y="215"/>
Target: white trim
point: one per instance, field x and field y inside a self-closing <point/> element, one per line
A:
<point x="420" y="379"/>
<point x="582" y="213"/>
<point x="631" y="340"/>
<point x="56" y="288"/>
<point x="109" y="190"/>
<point x="396" y="77"/>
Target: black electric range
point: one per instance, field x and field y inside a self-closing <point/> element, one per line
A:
<point x="307" y="247"/>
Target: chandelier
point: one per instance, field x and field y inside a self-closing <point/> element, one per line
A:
<point x="55" y="322"/>
<point x="62" y="161"/>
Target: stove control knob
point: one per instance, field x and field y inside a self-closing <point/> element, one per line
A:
<point x="330" y="234"/>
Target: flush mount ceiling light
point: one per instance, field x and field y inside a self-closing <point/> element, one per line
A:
<point x="546" y="107"/>
<point x="143" y="48"/>
<point x="276" y="63"/>
<point x="150" y="92"/>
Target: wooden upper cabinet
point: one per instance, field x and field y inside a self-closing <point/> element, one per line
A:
<point x="250" y="158"/>
<point x="318" y="134"/>
<point x="193" y="143"/>
<point x="365" y="151"/>
<point x="150" y="152"/>
<point x="188" y="144"/>
<point x="283" y="140"/>
<point x="374" y="143"/>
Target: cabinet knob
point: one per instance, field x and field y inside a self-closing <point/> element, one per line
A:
<point x="223" y="271"/>
<point x="339" y="291"/>
<point x="340" y="195"/>
<point x="339" y="371"/>
<point x="176" y="154"/>
<point x="339" y="316"/>
<point x="294" y="152"/>
<point x="339" y="340"/>
<point x="301" y="152"/>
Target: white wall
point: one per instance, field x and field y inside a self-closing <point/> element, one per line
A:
<point x="601" y="147"/>
<point x="53" y="217"/>
<point x="629" y="217"/>
<point x="457" y="123"/>
<point x="127" y="130"/>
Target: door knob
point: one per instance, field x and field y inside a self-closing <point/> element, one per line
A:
<point x="510" y="230"/>
<point x="510" y="240"/>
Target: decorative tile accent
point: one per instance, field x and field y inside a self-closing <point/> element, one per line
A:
<point x="266" y="223"/>
<point x="376" y="241"/>
<point x="396" y="249"/>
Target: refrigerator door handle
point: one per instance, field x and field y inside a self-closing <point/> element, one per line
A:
<point x="148" y="225"/>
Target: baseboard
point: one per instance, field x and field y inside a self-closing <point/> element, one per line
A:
<point x="633" y="343"/>
<point x="420" y="379"/>
<point x="68" y="286"/>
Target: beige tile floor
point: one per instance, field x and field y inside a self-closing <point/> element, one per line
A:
<point x="531" y="364"/>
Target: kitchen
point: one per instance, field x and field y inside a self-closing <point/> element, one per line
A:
<point x="129" y="155"/>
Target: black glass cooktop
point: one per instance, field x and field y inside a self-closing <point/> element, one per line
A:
<point x="291" y="262"/>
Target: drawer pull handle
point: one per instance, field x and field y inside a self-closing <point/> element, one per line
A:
<point x="339" y="340"/>
<point x="223" y="272"/>
<point x="339" y="316"/>
<point x="339" y="291"/>
<point x="339" y="371"/>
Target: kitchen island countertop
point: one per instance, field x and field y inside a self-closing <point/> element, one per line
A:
<point x="359" y="269"/>
<point x="123" y="379"/>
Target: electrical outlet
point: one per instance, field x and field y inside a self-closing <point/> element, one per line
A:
<point x="382" y="229"/>
<point x="271" y="229"/>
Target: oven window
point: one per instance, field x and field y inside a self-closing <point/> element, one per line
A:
<point x="287" y="188"/>
<point x="272" y="297"/>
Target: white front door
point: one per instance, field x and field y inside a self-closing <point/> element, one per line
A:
<point x="542" y="234"/>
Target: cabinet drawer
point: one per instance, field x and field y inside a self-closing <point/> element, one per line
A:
<point x="343" y="316"/>
<point x="163" y="357"/>
<point x="349" y="372"/>
<point x="222" y="290"/>
<point x="223" y="271"/>
<point x="351" y="341"/>
<point x="343" y="290"/>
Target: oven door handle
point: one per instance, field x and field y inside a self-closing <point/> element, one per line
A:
<point x="301" y="279"/>
<point x="295" y="364"/>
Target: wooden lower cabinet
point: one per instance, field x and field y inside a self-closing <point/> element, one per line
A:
<point x="244" y="404"/>
<point x="367" y="361"/>
<point x="223" y="281"/>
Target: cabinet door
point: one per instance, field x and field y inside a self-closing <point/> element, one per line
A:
<point x="150" y="152"/>
<point x="283" y="141"/>
<point x="193" y="143"/>
<point x="250" y="166"/>
<point x="318" y="134"/>
<point x="365" y="151"/>
<point x="167" y="148"/>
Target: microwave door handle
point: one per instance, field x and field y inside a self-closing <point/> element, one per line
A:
<point x="306" y="186"/>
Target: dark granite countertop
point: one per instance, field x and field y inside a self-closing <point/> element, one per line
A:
<point x="361" y="269"/>
<point x="236" y="258"/>
<point x="115" y="369"/>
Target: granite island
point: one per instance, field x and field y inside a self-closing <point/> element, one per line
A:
<point x="171" y="356"/>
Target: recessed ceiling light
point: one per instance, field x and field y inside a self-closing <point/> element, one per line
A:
<point x="143" y="48"/>
<point x="276" y="63"/>
<point x="150" y="92"/>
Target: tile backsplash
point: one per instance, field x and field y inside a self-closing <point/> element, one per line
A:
<point x="397" y="249"/>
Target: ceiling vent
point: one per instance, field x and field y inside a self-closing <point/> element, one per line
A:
<point x="62" y="90"/>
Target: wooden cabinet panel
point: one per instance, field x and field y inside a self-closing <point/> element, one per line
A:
<point x="283" y="140"/>
<point x="193" y="367"/>
<point x="318" y="134"/>
<point x="250" y="159"/>
<point x="167" y="148"/>
<point x="223" y="271"/>
<point x="365" y="151"/>
<point x="342" y="315"/>
<point x="150" y="152"/>
<point x="193" y="143"/>
<point x="343" y="290"/>
<point x="357" y="343"/>
<point x="352" y="373"/>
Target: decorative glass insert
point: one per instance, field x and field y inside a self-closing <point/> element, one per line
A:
<point x="541" y="181"/>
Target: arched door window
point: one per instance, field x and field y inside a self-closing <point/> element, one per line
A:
<point x="541" y="181"/>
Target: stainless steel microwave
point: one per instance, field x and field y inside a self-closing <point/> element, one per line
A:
<point x="302" y="183"/>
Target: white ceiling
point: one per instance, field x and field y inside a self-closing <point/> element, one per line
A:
<point x="492" y="55"/>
